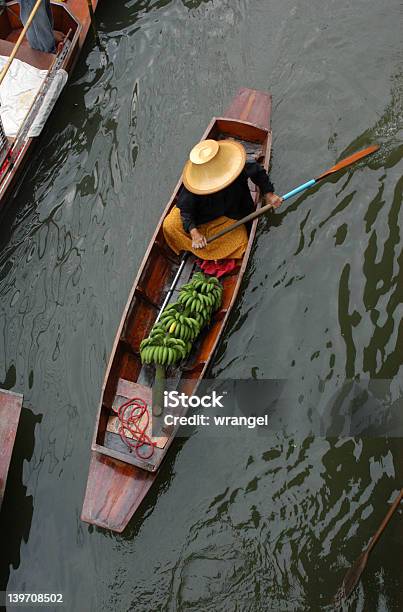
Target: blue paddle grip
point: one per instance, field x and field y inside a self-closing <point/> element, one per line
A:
<point x="302" y="187"/>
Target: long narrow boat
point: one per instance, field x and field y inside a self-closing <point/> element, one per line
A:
<point x="10" y="410"/>
<point x="72" y="22"/>
<point x="118" y="479"/>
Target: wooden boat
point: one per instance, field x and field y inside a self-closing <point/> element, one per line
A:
<point x="119" y="480"/>
<point x="72" y="21"/>
<point x="10" y="410"/>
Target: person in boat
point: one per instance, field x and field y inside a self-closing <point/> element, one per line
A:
<point x="40" y="33"/>
<point x="215" y="194"/>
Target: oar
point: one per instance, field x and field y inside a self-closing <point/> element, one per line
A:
<point x="339" y="166"/>
<point x="354" y="573"/>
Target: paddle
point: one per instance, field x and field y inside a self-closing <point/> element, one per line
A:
<point x="339" y="166"/>
<point x="354" y="573"/>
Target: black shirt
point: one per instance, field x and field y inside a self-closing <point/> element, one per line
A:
<point x="234" y="201"/>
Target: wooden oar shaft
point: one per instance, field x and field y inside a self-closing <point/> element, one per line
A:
<point x="19" y="41"/>
<point x="253" y="215"/>
<point x="385" y="521"/>
<point x="353" y="575"/>
<point x="261" y="211"/>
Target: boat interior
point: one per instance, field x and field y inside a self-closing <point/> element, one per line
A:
<point x="11" y="26"/>
<point x="127" y="377"/>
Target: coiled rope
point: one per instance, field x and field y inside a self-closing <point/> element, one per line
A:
<point x="130" y="415"/>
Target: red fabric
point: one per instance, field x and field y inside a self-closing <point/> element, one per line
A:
<point x="218" y="267"/>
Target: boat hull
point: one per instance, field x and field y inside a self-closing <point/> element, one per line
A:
<point x="118" y="482"/>
<point x="10" y="410"/>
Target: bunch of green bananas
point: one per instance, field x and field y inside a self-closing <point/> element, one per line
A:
<point x="170" y="340"/>
<point x="162" y="349"/>
<point x="200" y="318"/>
<point x="210" y="286"/>
<point x="180" y="324"/>
<point x="202" y="294"/>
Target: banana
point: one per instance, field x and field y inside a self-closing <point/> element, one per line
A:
<point x="171" y="356"/>
<point x="155" y="332"/>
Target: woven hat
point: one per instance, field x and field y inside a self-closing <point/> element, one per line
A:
<point x="213" y="165"/>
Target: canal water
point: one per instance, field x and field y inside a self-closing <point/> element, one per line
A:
<point x="255" y="522"/>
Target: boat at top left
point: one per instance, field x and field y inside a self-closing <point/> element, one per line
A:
<point x="33" y="82"/>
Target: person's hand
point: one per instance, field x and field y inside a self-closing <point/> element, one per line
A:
<point x="273" y="199"/>
<point x="198" y="240"/>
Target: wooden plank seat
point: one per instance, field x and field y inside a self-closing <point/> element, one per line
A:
<point x="35" y="58"/>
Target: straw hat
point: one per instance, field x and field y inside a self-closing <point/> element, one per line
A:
<point x="213" y="165"/>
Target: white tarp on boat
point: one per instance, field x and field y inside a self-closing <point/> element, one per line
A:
<point x="18" y="91"/>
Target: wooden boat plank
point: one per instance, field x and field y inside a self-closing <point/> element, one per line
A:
<point x="114" y="510"/>
<point x="10" y="410"/>
<point x="252" y="106"/>
<point x="114" y="492"/>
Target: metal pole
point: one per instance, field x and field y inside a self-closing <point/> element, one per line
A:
<point x="173" y="285"/>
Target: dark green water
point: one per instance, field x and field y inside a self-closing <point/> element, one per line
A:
<point x="257" y="523"/>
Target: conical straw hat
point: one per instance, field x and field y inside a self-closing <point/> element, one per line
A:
<point x="213" y="165"/>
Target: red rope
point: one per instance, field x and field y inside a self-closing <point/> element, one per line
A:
<point x="130" y="422"/>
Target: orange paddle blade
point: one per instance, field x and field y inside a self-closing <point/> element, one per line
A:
<point x="349" y="160"/>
